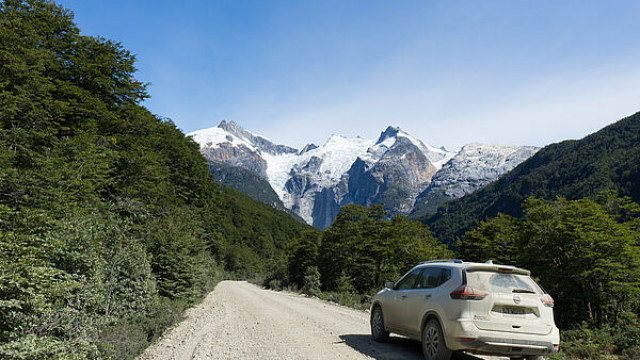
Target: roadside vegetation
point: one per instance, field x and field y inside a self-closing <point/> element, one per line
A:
<point x="586" y="253"/>
<point x="110" y="223"/>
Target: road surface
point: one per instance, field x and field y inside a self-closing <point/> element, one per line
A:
<point x="239" y="320"/>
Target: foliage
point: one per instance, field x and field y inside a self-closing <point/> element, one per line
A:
<point x="586" y="342"/>
<point x="311" y="281"/>
<point x="606" y="160"/>
<point x="361" y="249"/>
<point x="576" y="247"/>
<point x="303" y="253"/>
<point x="110" y="223"/>
<point x="586" y="253"/>
<point x="350" y="299"/>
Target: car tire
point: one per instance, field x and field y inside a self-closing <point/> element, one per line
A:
<point x="534" y="357"/>
<point x="378" y="330"/>
<point x="433" y="344"/>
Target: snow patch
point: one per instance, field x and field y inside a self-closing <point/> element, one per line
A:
<point x="213" y="137"/>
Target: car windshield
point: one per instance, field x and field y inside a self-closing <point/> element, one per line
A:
<point x="503" y="282"/>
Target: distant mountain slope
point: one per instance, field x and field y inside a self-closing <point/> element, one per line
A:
<point x="315" y="181"/>
<point x="473" y="167"/>
<point x="246" y="181"/>
<point x="607" y="159"/>
<point x="249" y="183"/>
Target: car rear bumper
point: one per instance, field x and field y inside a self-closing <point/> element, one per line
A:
<point x="466" y="336"/>
<point x="498" y="346"/>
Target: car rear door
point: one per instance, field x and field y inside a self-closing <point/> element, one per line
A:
<point x="514" y="304"/>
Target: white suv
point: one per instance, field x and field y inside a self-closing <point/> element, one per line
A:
<point x="452" y="305"/>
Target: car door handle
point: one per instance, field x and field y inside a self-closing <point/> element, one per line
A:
<point x="403" y="296"/>
<point x="427" y="297"/>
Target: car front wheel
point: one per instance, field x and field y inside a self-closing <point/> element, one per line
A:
<point x="433" y="346"/>
<point x="378" y="331"/>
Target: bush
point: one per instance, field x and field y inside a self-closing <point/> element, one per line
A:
<point x="274" y="284"/>
<point x="586" y="343"/>
<point x="352" y="300"/>
<point x="311" y="281"/>
<point x="129" y="337"/>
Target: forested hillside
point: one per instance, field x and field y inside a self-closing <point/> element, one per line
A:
<point x="110" y="223"/>
<point x="606" y="160"/>
<point x="246" y="181"/>
<point x="249" y="183"/>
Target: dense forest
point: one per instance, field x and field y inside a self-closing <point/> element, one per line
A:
<point x="110" y="223"/>
<point x="606" y="160"/>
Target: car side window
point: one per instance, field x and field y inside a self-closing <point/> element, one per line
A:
<point x="445" y="275"/>
<point x="409" y="280"/>
<point x="432" y="278"/>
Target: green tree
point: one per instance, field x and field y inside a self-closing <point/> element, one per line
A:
<point x="494" y="239"/>
<point x="585" y="253"/>
<point x="367" y="249"/>
<point x="581" y="249"/>
<point x="303" y="253"/>
<point x="110" y="223"/>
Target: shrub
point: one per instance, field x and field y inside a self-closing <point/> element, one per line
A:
<point x="311" y="281"/>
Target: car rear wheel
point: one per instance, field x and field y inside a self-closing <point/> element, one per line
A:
<point x="378" y="331"/>
<point x="433" y="345"/>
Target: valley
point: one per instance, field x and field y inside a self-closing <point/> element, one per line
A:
<point x="404" y="174"/>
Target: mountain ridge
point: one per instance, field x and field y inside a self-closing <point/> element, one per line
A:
<point x="608" y="159"/>
<point x="393" y="170"/>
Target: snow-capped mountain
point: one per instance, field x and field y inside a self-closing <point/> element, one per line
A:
<point x="474" y="166"/>
<point x="392" y="170"/>
<point x="316" y="181"/>
<point x="231" y="144"/>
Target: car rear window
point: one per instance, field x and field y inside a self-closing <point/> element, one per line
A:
<point x="498" y="282"/>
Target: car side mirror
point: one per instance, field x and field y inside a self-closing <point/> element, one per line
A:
<point x="389" y="284"/>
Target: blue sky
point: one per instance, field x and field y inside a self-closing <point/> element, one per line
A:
<point x="448" y="72"/>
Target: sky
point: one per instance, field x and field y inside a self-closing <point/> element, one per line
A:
<point x="447" y="72"/>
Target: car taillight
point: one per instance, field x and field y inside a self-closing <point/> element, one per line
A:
<point x="465" y="292"/>
<point x="547" y="300"/>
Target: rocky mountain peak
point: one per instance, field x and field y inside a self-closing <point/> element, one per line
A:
<point x="258" y="141"/>
<point x="308" y="148"/>
<point x="233" y="128"/>
<point x="390" y="132"/>
<point x="474" y="166"/>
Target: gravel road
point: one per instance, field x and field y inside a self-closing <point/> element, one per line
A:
<point x="239" y="320"/>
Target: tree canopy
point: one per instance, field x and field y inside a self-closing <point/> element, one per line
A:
<point x="585" y="252"/>
<point x="362" y="249"/>
<point x="110" y="222"/>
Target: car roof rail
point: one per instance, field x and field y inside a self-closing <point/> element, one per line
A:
<point x="457" y="261"/>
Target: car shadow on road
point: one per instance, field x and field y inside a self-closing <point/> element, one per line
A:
<point x="397" y="348"/>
